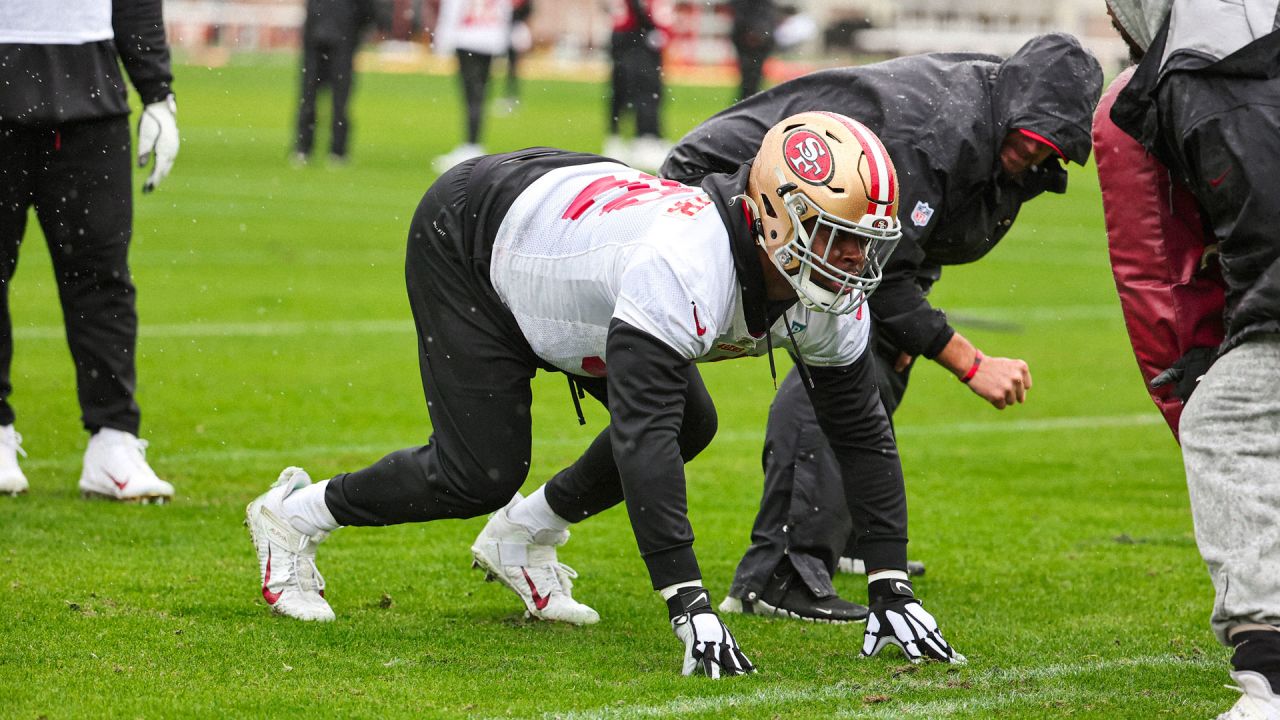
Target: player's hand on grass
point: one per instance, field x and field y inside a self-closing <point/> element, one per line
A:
<point x="1001" y="381"/>
<point x="709" y="648"/>
<point x="897" y="618"/>
<point x="158" y="136"/>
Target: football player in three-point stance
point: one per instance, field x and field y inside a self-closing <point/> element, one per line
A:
<point x="567" y="262"/>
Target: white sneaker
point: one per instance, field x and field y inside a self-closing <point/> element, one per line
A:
<point x="649" y="152"/>
<point x="115" y="468"/>
<point x="12" y="481"/>
<point x="617" y="148"/>
<point x="460" y="154"/>
<point x="855" y="566"/>
<point x="1258" y="701"/>
<point x="291" y="584"/>
<point x="512" y="555"/>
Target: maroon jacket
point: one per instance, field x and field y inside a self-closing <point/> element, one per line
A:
<point x="1157" y="240"/>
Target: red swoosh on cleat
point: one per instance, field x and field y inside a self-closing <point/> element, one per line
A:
<point x="538" y="601"/>
<point x="270" y="597"/>
<point x="119" y="485"/>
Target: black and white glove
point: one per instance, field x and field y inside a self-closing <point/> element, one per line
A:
<point x="897" y="618"/>
<point x="1185" y="374"/>
<point x="158" y="137"/>
<point x="709" y="647"/>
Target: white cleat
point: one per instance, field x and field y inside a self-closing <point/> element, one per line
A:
<point x="617" y="148"/>
<point x="115" y="468"/>
<point x="508" y="553"/>
<point x="648" y="152"/>
<point x="12" y="481"/>
<point x="291" y="584"/>
<point x="1258" y="701"/>
<point x="456" y="156"/>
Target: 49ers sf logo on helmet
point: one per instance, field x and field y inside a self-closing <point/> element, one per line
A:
<point x="808" y="156"/>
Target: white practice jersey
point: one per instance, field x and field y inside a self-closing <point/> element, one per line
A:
<point x="55" y="22"/>
<point x="589" y="243"/>
<point x="478" y="26"/>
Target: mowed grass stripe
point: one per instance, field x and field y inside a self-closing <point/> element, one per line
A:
<point x="979" y="687"/>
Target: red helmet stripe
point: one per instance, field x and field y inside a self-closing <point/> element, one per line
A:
<point x="883" y="189"/>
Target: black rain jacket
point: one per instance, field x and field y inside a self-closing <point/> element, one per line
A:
<point x="942" y="117"/>
<point x="55" y="84"/>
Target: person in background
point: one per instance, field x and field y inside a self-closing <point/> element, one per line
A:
<point x="641" y="29"/>
<point x="475" y="31"/>
<point x="1201" y="113"/>
<point x="754" y="22"/>
<point x="521" y="42"/>
<point x="330" y="36"/>
<point x="64" y="150"/>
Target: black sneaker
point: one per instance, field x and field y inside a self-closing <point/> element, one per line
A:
<point x="795" y="601"/>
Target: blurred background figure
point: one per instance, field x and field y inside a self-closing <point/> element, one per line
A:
<point x="641" y="29"/>
<point x="330" y="35"/>
<point x="476" y="31"/>
<point x="754" y="22"/>
<point x="521" y="42"/>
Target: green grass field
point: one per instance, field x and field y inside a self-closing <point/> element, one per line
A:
<point x="275" y="331"/>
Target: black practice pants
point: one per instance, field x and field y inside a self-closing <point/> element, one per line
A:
<point x="804" y="518"/>
<point x="328" y="64"/>
<point x="636" y="84"/>
<point x="78" y="177"/>
<point x="473" y="71"/>
<point x="751" y="59"/>
<point x="476" y="368"/>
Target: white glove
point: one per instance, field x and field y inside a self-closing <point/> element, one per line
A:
<point x="709" y="647"/>
<point x="158" y="133"/>
<point x="897" y="618"/>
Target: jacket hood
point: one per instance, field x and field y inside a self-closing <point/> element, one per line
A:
<point x="1140" y="18"/>
<point x="1050" y="86"/>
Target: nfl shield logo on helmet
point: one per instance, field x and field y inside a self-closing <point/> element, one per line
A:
<point x="921" y="214"/>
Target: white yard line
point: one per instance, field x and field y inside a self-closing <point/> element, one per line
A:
<point x="981" y="696"/>
<point x="1070" y="313"/>
<point x="303" y="454"/>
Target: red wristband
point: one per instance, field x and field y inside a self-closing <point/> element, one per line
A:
<point x="973" y="369"/>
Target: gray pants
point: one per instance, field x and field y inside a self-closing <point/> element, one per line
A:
<point x="1231" y="445"/>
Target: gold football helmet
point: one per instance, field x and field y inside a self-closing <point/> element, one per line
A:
<point x="819" y="182"/>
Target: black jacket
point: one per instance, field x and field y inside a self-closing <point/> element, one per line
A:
<point x="338" y="22"/>
<point x="1185" y="130"/>
<point x="55" y="84"/>
<point x="942" y="117"/>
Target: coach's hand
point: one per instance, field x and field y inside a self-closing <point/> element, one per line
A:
<point x="998" y="380"/>
<point x="898" y="618"/>
<point x="158" y="135"/>
<point x="1185" y="374"/>
<point x="709" y="647"/>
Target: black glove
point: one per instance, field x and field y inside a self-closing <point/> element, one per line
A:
<point x="1186" y="372"/>
<point x="898" y="618"/>
<point x="709" y="647"/>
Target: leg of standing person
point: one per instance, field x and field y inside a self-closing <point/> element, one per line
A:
<point x="342" y="81"/>
<point x="619" y="99"/>
<point x="646" y="70"/>
<point x="750" y="69"/>
<point x="304" y="138"/>
<point x="18" y="145"/>
<point x="84" y="201"/>
<point x="473" y="70"/>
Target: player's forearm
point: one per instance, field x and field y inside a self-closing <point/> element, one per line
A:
<point x="957" y="356"/>
<point x="647" y="388"/>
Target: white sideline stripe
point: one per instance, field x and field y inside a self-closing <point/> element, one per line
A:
<point x="301" y="455"/>
<point x="686" y="707"/>
<point x="345" y="327"/>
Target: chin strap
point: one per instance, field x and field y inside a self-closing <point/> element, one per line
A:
<point x="804" y="369"/>
<point x="575" y="392"/>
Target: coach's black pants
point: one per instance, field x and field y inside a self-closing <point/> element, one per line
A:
<point x="476" y="367"/>
<point x="78" y="178"/>
<point x="636" y="84"/>
<point x="804" y="518"/>
<point x="473" y="71"/>
<point x="326" y="64"/>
